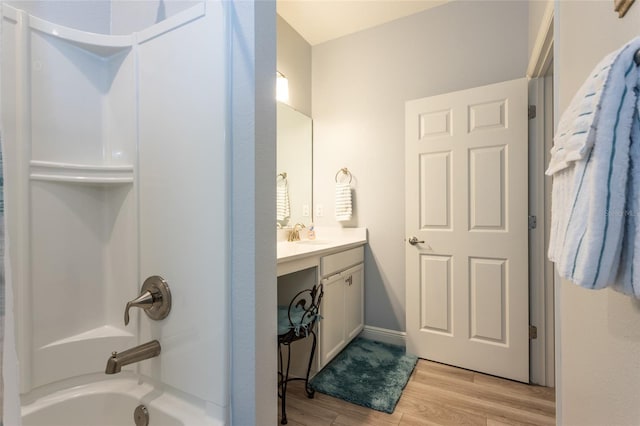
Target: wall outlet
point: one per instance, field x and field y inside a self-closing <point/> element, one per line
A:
<point x="305" y="210"/>
<point x="319" y="210"/>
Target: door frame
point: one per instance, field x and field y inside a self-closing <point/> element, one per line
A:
<point x="541" y="284"/>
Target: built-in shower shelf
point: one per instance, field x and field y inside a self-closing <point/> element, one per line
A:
<point x="104" y="45"/>
<point x="103" y="332"/>
<point x="79" y="173"/>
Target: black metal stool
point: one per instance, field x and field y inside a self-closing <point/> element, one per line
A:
<point x="295" y="322"/>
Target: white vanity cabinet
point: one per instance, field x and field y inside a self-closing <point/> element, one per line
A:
<point x="342" y="308"/>
<point x="335" y="259"/>
<point x="354" y="301"/>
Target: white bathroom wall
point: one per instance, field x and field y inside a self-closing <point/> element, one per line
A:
<point x="128" y="16"/>
<point x="598" y="352"/>
<point x="253" y="234"/>
<point x="104" y="16"/>
<point x="294" y="61"/>
<point x="68" y="118"/>
<point x="10" y="364"/>
<point x="183" y="179"/>
<point x="93" y="16"/>
<point x="360" y="85"/>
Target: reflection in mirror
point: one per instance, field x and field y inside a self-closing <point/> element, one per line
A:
<point x="294" y="158"/>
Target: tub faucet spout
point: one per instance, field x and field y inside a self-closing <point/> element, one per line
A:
<point x="117" y="360"/>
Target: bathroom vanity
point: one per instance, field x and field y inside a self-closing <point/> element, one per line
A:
<point x="336" y="259"/>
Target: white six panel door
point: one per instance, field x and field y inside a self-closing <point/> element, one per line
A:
<point x="467" y="295"/>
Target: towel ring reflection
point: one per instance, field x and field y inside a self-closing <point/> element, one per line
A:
<point x="344" y="171"/>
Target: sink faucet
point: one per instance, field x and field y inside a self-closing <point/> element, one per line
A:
<point x="294" y="235"/>
<point x="139" y="353"/>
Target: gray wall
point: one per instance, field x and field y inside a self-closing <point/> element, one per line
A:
<point x="536" y="13"/>
<point x="294" y="61"/>
<point x="360" y="85"/>
<point x="598" y="365"/>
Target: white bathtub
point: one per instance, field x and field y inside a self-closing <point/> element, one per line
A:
<point x="112" y="403"/>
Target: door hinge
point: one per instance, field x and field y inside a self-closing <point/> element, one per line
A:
<point x="533" y="222"/>
<point x="533" y="332"/>
<point x="532" y="112"/>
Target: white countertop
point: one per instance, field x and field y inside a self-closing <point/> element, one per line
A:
<point x="328" y="240"/>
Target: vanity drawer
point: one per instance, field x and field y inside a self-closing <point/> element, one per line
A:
<point x="341" y="261"/>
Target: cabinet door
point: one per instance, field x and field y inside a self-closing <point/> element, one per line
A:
<point x="354" y="301"/>
<point x="332" y="331"/>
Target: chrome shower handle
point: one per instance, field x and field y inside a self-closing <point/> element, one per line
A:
<point x="155" y="299"/>
<point x="144" y="301"/>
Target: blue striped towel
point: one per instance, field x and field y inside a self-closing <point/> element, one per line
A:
<point x="593" y="207"/>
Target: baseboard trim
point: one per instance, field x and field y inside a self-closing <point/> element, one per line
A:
<point x="384" y="335"/>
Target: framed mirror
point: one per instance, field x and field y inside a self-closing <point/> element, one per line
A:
<point x="294" y="167"/>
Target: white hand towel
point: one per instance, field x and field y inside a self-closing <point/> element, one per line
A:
<point x="576" y="130"/>
<point x="590" y="197"/>
<point x="344" y="208"/>
<point x="283" y="210"/>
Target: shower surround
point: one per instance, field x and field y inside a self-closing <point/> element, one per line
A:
<point x="108" y="138"/>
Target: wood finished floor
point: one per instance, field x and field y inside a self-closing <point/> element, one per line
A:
<point x="436" y="394"/>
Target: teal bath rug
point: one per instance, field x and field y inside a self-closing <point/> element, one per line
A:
<point x="367" y="373"/>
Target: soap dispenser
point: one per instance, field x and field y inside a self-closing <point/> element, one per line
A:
<point x="311" y="232"/>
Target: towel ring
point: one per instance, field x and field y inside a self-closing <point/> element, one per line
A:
<point x="344" y="171"/>
<point x="283" y="175"/>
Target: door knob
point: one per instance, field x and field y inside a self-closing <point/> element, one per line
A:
<point x="155" y="299"/>
<point x="413" y="241"/>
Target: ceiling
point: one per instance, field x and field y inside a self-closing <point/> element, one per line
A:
<point x="318" y="21"/>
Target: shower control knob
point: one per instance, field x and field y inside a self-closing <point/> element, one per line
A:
<point x="155" y="299"/>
